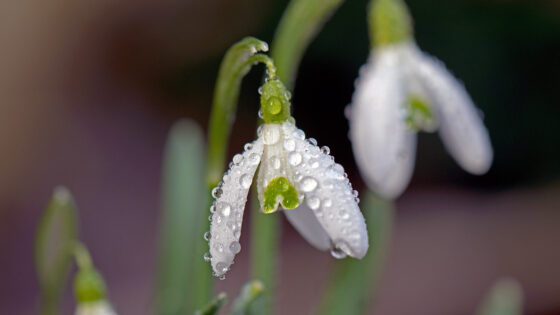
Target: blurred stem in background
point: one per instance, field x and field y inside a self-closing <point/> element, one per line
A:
<point x="353" y="281"/>
<point x="57" y="230"/>
<point x="302" y="20"/>
<point x="505" y="298"/>
<point x="183" y="279"/>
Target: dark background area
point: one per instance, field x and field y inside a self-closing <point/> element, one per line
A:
<point x="88" y="91"/>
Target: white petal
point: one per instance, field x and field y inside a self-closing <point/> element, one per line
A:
<point x="101" y="307"/>
<point x="303" y="219"/>
<point x="461" y="128"/>
<point x="225" y="228"/>
<point x="383" y="145"/>
<point x="328" y="193"/>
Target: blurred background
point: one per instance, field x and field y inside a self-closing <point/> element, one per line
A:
<point x="89" y="89"/>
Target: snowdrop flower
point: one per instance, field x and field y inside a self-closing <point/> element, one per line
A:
<point x="400" y="91"/>
<point x="294" y="174"/>
<point x="90" y="292"/>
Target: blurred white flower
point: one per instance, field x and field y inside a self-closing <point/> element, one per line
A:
<point x="99" y="307"/>
<point x="400" y="91"/>
<point x="294" y="174"/>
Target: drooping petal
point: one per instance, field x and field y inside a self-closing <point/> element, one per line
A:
<point x="461" y="128"/>
<point x="328" y="193"/>
<point x="383" y="145"/>
<point x="227" y="210"/>
<point x="303" y="219"/>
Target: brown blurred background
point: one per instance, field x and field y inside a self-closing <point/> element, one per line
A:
<point x="89" y="89"/>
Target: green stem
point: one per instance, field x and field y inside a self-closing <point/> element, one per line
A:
<point x="301" y="21"/>
<point x="354" y="282"/>
<point x="265" y="233"/>
<point x="236" y="64"/>
<point x="82" y="256"/>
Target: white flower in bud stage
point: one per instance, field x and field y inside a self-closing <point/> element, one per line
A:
<point x="101" y="307"/>
<point x="295" y="175"/>
<point x="400" y="91"/>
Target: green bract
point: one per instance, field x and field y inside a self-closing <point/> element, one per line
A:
<point x="389" y="22"/>
<point x="89" y="286"/>
<point x="275" y="102"/>
<point x="280" y="187"/>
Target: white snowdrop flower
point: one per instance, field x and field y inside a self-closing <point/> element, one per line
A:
<point x="400" y="91"/>
<point x="294" y="174"/>
<point x="101" y="307"/>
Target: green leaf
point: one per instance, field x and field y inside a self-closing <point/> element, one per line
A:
<point x="265" y="233"/>
<point x="57" y="230"/>
<point x="180" y="280"/>
<point x="250" y="294"/>
<point x="301" y="21"/>
<point x="235" y="65"/>
<point x="504" y="298"/>
<point x="353" y="281"/>
<point x="214" y="306"/>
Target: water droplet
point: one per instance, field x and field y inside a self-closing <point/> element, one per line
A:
<point x="336" y="171"/>
<point x="289" y="145"/>
<point x="254" y="159"/>
<point x="248" y="146"/>
<point x="221" y="268"/>
<point x="260" y="90"/>
<point x="245" y="181"/>
<point x="275" y="162"/>
<point x="271" y="134"/>
<point x="207" y="257"/>
<point x="327" y="202"/>
<point x="313" y="163"/>
<point x="312" y="141"/>
<point x="313" y="203"/>
<point x="207" y="236"/>
<point x="355" y="194"/>
<point x="210" y="218"/>
<point x="288" y="95"/>
<point x="308" y="184"/>
<point x="216" y="192"/>
<point x="237" y="233"/>
<point x="261" y="116"/>
<point x="294" y="158"/>
<point x="338" y="253"/>
<point x="343" y="214"/>
<point x="223" y="208"/>
<point x="325" y="150"/>
<point x="299" y="134"/>
<point x="238" y="158"/>
<point x="212" y="208"/>
<point x="235" y="247"/>
<point x="260" y="130"/>
<point x="222" y="277"/>
<point x="219" y="247"/>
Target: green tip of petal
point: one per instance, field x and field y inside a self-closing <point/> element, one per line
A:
<point x="420" y="115"/>
<point x="389" y="22"/>
<point x="89" y="286"/>
<point x="275" y="102"/>
<point x="280" y="191"/>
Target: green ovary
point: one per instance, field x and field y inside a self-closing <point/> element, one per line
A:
<point x="279" y="190"/>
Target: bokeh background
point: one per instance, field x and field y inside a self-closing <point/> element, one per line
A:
<point x="89" y="89"/>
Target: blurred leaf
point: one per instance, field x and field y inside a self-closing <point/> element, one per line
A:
<point x="353" y="282"/>
<point x="235" y="65"/>
<point x="504" y="298"/>
<point x="214" y="306"/>
<point x="301" y="21"/>
<point x="265" y="231"/>
<point x="183" y="199"/>
<point x="250" y="294"/>
<point x="57" y="230"/>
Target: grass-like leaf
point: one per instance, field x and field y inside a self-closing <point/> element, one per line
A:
<point x="250" y="293"/>
<point x="214" y="306"/>
<point x="182" y="217"/>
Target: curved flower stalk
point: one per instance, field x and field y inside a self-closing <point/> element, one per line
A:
<point x="294" y="174"/>
<point x="400" y="91"/>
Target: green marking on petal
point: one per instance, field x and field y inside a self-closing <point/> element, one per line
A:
<point x="420" y="115"/>
<point x="280" y="190"/>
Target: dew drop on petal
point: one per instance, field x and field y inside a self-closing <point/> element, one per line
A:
<point x="207" y="257"/>
<point x="313" y="203"/>
<point x="338" y="253"/>
<point x="308" y="184"/>
<point x="289" y="145"/>
<point x="327" y="202"/>
<point x="237" y="159"/>
<point x="224" y="209"/>
<point x="261" y="116"/>
<point x="313" y="163"/>
<point x="294" y="158"/>
<point x="207" y="236"/>
<point x="325" y="150"/>
<point x="216" y="192"/>
<point x="248" y="146"/>
<point x="312" y="141"/>
<point x="221" y="267"/>
<point x="235" y="247"/>
<point x="245" y="181"/>
<point x="222" y="277"/>
<point x="212" y="208"/>
<point x="254" y="159"/>
<point x="299" y="134"/>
